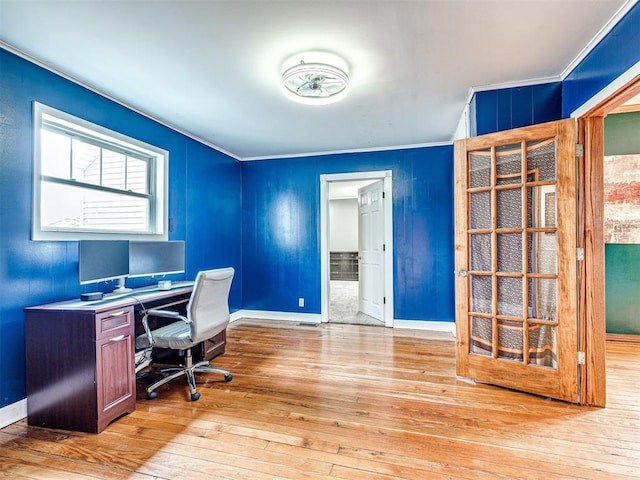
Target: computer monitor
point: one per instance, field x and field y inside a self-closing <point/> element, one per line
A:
<point x="149" y="258"/>
<point x="100" y="260"/>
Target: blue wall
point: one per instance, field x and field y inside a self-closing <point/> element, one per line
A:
<point x="204" y="203"/>
<point x="281" y="231"/>
<point x="614" y="55"/>
<point x="507" y="108"/>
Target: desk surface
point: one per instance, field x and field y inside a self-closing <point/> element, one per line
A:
<point x="135" y="296"/>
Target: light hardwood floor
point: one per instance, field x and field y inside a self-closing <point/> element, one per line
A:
<point x="345" y="402"/>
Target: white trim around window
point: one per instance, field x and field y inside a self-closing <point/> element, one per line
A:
<point x="90" y="182"/>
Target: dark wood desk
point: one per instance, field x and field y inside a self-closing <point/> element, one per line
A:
<point x="80" y="356"/>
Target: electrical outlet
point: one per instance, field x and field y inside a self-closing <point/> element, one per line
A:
<point x="301" y="302"/>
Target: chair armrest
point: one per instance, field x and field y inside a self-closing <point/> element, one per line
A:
<point x="163" y="313"/>
<point x="159" y="313"/>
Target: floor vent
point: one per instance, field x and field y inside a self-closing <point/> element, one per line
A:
<point x="308" y="324"/>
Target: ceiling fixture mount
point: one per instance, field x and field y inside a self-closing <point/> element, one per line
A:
<point x="315" y="83"/>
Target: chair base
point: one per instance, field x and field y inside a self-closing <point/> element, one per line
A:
<point x="189" y="370"/>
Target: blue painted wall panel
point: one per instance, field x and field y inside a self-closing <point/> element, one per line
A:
<point x="523" y="114"/>
<point x="32" y="273"/>
<point x="507" y="108"/>
<point x="281" y="231"/>
<point x="615" y="54"/>
<point x="485" y="117"/>
<point x="504" y="108"/>
<point x="546" y="103"/>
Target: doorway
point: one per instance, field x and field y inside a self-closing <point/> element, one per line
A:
<point x="591" y="229"/>
<point x="356" y="248"/>
<point x="622" y="221"/>
<point x="349" y="277"/>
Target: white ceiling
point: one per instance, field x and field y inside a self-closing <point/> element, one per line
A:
<point x="212" y="68"/>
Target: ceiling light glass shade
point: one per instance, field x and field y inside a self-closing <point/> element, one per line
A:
<point x="315" y="83"/>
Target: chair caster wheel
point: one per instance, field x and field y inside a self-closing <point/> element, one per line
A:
<point x="152" y="395"/>
<point x="228" y="378"/>
<point x="195" y="396"/>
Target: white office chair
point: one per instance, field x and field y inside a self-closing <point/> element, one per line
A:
<point x="207" y="316"/>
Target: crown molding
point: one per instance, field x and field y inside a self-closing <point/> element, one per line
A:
<point x="355" y="150"/>
<point x="515" y="84"/>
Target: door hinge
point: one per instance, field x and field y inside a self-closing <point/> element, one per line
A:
<point x="581" y="358"/>
<point x="579" y="150"/>
<point x="580" y="254"/>
<point x="384" y="247"/>
<point x="382" y="194"/>
<point x="384" y="300"/>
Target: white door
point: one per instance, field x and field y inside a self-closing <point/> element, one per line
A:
<point x="371" y="249"/>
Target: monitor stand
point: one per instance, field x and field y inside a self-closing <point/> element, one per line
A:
<point x="120" y="288"/>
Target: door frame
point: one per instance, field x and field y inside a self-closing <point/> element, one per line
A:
<point x="592" y="313"/>
<point x="325" y="179"/>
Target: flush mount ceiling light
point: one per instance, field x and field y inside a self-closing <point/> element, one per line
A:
<point x="315" y="83"/>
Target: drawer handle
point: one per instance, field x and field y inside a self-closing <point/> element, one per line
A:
<point x="117" y="314"/>
<point x="117" y="339"/>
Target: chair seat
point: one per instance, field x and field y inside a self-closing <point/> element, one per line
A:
<point x="176" y="335"/>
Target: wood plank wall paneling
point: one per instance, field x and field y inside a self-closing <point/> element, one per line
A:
<point x="345" y="402"/>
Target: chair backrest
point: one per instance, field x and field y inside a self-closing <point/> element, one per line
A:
<point x="208" y="307"/>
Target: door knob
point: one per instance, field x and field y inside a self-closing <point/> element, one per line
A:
<point x="461" y="273"/>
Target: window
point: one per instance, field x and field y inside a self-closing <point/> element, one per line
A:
<point x="93" y="183"/>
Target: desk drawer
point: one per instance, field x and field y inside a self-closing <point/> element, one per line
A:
<point x="214" y="346"/>
<point x="108" y="323"/>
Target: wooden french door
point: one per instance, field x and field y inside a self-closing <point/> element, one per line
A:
<point x="516" y="259"/>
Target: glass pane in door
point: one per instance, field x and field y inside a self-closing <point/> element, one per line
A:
<point x="542" y="253"/>
<point x="509" y="164"/>
<point x="480" y="210"/>
<point x="510" y="296"/>
<point x="510" y="340"/>
<point x="481" y="294"/>
<point x="509" y="206"/>
<point x="480" y="169"/>
<point x="541" y="206"/>
<point x="481" y="339"/>
<point x="480" y="252"/>
<point x="541" y="158"/>
<point x="509" y="252"/>
<point x="542" y="298"/>
<point x="542" y="346"/>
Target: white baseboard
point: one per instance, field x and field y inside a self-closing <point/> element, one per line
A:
<point x="447" y="327"/>
<point x="12" y="413"/>
<point x="269" y="315"/>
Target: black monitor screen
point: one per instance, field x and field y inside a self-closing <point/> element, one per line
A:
<point x="100" y="260"/>
<point x="155" y="258"/>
